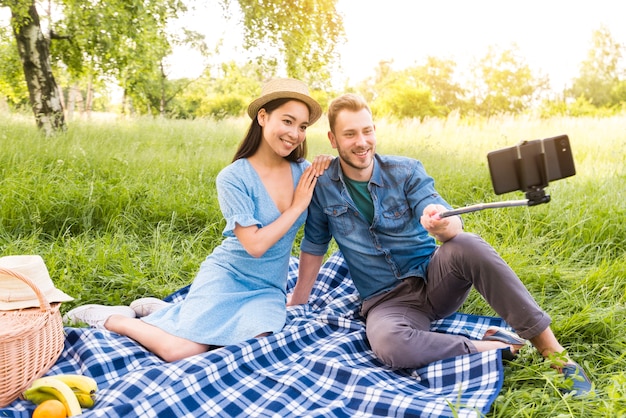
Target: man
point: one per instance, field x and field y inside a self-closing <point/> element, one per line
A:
<point x="383" y="212"/>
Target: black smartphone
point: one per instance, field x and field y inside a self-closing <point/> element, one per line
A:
<point x="531" y="164"/>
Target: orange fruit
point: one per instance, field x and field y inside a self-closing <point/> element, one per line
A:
<point x="50" y="409"/>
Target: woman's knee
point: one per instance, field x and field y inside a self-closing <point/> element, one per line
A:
<point x="174" y="351"/>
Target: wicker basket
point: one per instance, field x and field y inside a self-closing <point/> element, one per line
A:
<point x="31" y="341"/>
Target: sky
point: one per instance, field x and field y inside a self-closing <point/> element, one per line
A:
<point x="553" y="36"/>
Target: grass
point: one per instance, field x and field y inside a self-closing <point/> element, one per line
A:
<point x="128" y="209"/>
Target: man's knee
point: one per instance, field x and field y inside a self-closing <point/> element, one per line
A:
<point x="393" y="346"/>
<point x="466" y="239"/>
<point x="467" y="244"/>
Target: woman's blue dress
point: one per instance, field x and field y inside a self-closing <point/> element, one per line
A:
<point x="235" y="296"/>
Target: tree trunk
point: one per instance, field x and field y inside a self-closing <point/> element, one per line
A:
<point x="35" y="56"/>
<point x="89" y="98"/>
<point x="123" y="109"/>
<point x="162" y="101"/>
<point x="62" y="97"/>
<point x="71" y="101"/>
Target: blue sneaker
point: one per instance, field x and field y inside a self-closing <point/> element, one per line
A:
<point x="581" y="383"/>
<point x="508" y="337"/>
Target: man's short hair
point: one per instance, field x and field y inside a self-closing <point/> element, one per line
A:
<point x="350" y="101"/>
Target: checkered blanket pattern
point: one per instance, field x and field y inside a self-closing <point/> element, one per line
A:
<point x="320" y="365"/>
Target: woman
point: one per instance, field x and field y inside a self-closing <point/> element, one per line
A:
<point x="239" y="291"/>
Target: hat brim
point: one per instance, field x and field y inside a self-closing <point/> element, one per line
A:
<point x="315" y="110"/>
<point x="17" y="293"/>
<point x="52" y="296"/>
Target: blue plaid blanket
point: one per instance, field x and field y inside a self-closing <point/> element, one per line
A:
<point x="320" y="365"/>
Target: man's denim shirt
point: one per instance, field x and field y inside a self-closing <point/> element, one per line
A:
<point x="395" y="246"/>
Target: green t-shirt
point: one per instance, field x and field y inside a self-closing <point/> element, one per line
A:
<point x="361" y="196"/>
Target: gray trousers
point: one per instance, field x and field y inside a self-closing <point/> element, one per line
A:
<point x="398" y="321"/>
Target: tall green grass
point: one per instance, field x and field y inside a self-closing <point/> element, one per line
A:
<point x="127" y="208"/>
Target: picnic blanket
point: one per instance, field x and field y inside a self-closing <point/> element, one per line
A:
<point x="320" y="365"/>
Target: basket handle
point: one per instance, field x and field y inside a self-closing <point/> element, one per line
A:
<point x="43" y="302"/>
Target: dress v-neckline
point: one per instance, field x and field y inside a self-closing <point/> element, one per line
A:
<point x="267" y="193"/>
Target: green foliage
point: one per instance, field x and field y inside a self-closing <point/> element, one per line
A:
<point x="305" y="34"/>
<point x="19" y="12"/>
<point x="95" y="43"/>
<point x="618" y="93"/>
<point x="12" y="83"/>
<point x="439" y="75"/>
<point x="221" y="97"/>
<point x="602" y="72"/>
<point x="221" y="107"/>
<point x="416" y="92"/>
<point x="101" y="41"/>
<point x="104" y="40"/>
<point x="551" y="108"/>
<point x="405" y="101"/>
<point x="506" y="83"/>
<point x="581" y="107"/>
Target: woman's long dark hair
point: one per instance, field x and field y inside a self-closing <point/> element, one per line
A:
<point x="251" y="142"/>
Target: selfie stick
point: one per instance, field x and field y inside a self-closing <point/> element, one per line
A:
<point x="504" y="204"/>
<point x="535" y="195"/>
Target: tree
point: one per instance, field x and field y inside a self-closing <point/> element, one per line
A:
<point x="505" y="83"/>
<point x="415" y="92"/>
<point x="399" y="93"/>
<point x="121" y="39"/>
<point x="618" y="93"/>
<point x="34" y="53"/>
<point x="225" y="93"/>
<point x="602" y="72"/>
<point x="305" y="33"/>
<point x="405" y="100"/>
<point x="129" y="41"/>
<point x="438" y="75"/>
<point x="126" y="40"/>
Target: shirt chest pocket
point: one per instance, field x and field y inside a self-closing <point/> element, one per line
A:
<point x="341" y="219"/>
<point x="396" y="219"/>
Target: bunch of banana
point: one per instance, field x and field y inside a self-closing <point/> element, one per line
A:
<point x="75" y="391"/>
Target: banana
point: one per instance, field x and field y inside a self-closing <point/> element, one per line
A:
<point x="36" y="396"/>
<point x="60" y="391"/>
<point x="84" y="387"/>
<point x="85" y="399"/>
<point x="78" y="382"/>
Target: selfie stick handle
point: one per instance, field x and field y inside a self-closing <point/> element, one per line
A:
<point x="505" y="204"/>
<point x="481" y="206"/>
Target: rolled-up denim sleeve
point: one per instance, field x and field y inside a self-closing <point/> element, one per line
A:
<point x="317" y="234"/>
<point x="315" y="249"/>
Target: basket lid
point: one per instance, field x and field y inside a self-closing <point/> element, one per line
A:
<point x="17" y="294"/>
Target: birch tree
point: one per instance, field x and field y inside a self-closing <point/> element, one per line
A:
<point x="34" y="51"/>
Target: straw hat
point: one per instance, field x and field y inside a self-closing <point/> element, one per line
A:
<point x="286" y="88"/>
<point x="15" y="294"/>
